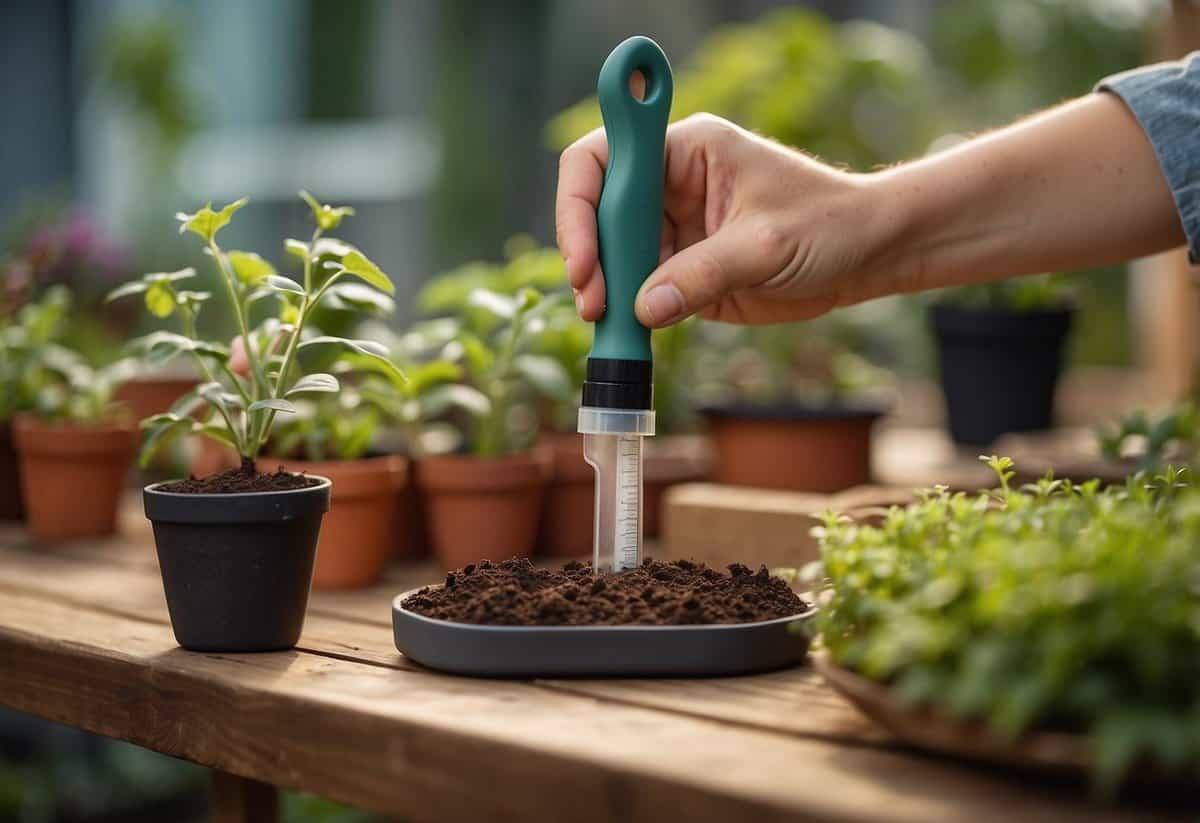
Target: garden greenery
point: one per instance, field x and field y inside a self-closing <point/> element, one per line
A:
<point x="284" y="359"/>
<point x="40" y="375"/>
<point x="1153" y="440"/>
<point x="1052" y="606"/>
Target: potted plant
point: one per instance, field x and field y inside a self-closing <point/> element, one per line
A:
<point x="73" y="443"/>
<point x="236" y="549"/>
<point x="1000" y="351"/>
<point x="789" y="407"/>
<point x="484" y="501"/>
<point x="27" y="328"/>
<point x="984" y="623"/>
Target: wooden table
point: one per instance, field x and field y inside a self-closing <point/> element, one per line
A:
<point x="85" y="640"/>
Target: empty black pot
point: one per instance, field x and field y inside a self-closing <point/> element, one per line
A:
<point x="236" y="568"/>
<point x="999" y="369"/>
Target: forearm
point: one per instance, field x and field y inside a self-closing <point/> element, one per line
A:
<point x="1074" y="187"/>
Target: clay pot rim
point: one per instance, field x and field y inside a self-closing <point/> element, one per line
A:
<point x="378" y="476"/>
<point x="31" y="435"/>
<point x="784" y="411"/>
<point x="469" y="473"/>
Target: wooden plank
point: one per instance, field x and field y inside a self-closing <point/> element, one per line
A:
<point x="239" y="800"/>
<point x="451" y="748"/>
<point x="719" y="524"/>
<point x="768" y="702"/>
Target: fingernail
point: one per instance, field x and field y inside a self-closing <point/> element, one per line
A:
<point x="578" y="300"/>
<point x="663" y="303"/>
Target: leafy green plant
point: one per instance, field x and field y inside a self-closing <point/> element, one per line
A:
<point x="1172" y="435"/>
<point x="38" y="374"/>
<point x="283" y="358"/>
<point x="856" y="92"/>
<point x="1049" y="606"/>
<point x="338" y="426"/>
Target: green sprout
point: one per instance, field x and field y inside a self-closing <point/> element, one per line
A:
<point x="284" y="359"/>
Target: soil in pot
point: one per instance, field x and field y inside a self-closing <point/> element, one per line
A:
<point x="999" y="369"/>
<point x="567" y="518"/>
<point x="236" y="552"/>
<point x="10" y="477"/>
<point x="72" y="476"/>
<point x="792" y="447"/>
<point x="483" y="507"/>
<point x="515" y="593"/>
<point x="359" y="533"/>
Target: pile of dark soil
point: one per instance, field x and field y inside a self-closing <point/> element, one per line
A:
<point x="515" y="593"/>
<point x="241" y="480"/>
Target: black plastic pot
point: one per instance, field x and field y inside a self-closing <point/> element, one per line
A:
<point x="999" y="369"/>
<point x="10" y="477"/>
<point x="236" y="568"/>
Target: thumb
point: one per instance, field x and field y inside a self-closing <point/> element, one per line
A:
<point x="697" y="277"/>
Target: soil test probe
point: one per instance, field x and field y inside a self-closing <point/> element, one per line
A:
<point x="617" y="410"/>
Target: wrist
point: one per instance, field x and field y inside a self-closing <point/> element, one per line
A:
<point x="887" y="223"/>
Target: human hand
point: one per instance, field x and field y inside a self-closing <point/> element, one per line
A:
<point x="753" y="232"/>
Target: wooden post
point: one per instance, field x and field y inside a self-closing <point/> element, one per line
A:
<point x="242" y="800"/>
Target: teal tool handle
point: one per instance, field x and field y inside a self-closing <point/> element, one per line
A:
<point x="629" y="217"/>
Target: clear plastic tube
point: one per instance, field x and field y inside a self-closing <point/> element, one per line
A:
<point x="612" y="444"/>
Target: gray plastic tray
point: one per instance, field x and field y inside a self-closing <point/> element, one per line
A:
<point x="604" y="651"/>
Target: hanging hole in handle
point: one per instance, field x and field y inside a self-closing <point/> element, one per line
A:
<point x="639" y="86"/>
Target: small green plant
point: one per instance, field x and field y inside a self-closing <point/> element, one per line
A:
<point x="283" y="359"/>
<point x="498" y="359"/>
<point x="1050" y="606"/>
<point x="338" y="426"/>
<point x="1172" y="435"/>
<point x="40" y="375"/>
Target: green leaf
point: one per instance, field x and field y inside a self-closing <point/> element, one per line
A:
<point x="205" y="222"/>
<point x="425" y="376"/>
<point x="160" y="299"/>
<point x="216" y="394"/>
<point x="319" y="382"/>
<point x="161" y="346"/>
<point x="296" y="248"/>
<point x="274" y="403"/>
<point x="357" y="264"/>
<point x="160" y="435"/>
<point x="545" y="374"/>
<point x="219" y="434"/>
<point x="500" y="305"/>
<point x="284" y="284"/>
<point x="320" y="353"/>
<point x="478" y="356"/>
<point x="249" y="267"/>
<point x="357" y="297"/>
<point x="441" y="399"/>
<point x="136" y="287"/>
<point x="326" y="217"/>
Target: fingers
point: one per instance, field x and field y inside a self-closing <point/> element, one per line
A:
<point x="580" y="179"/>
<point x="699" y="276"/>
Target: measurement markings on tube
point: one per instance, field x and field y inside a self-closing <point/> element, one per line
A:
<point x="629" y="508"/>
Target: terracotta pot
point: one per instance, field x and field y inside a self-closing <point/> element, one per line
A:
<point x="792" y="447"/>
<point x="148" y="396"/>
<point x="72" y="476"/>
<point x="10" y="477"/>
<point x="481" y="508"/>
<point x="360" y="529"/>
<point x="567" y="520"/>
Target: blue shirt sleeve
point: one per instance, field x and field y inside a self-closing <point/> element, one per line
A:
<point x="1165" y="99"/>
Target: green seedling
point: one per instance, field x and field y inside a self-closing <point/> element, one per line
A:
<point x="1053" y="606"/>
<point x="283" y="358"/>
